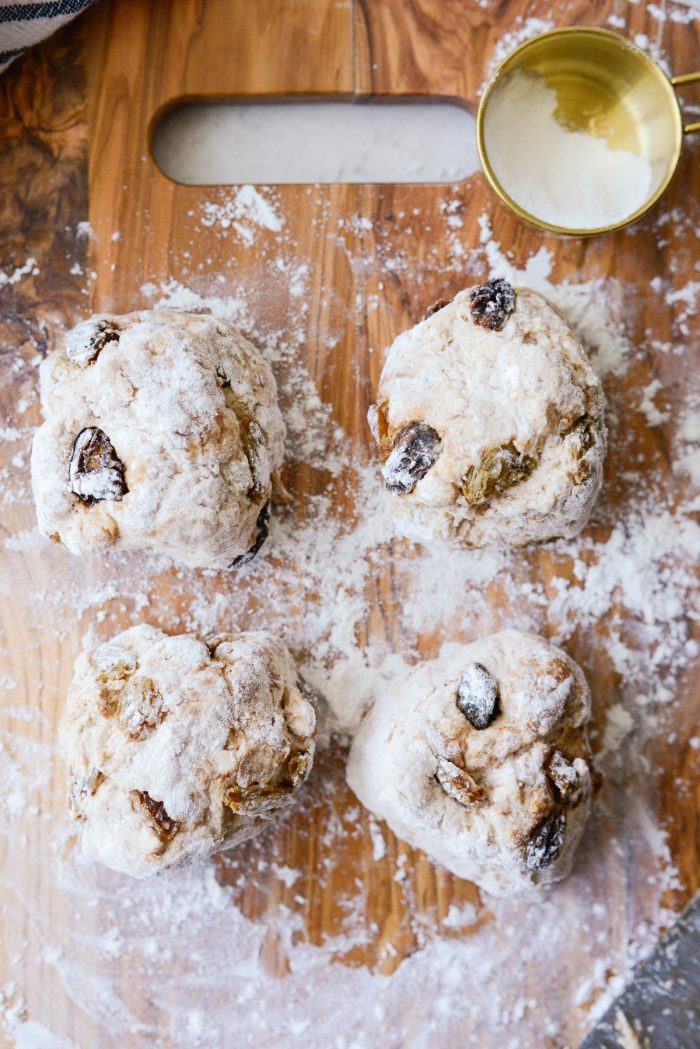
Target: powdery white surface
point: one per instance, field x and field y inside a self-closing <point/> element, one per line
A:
<point x="177" y="749"/>
<point x="654" y="415"/>
<point x="246" y="211"/>
<point x="623" y="587"/>
<point x="689" y="432"/>
<point x="30" y="267"/>
<point x="191" y="412"/>
<point x="317" y="142"/>
<point x="567" y="178"/>
<point x="525" y="386"/>
<point x="138" y="956"/>
<point x="475" y="798"/>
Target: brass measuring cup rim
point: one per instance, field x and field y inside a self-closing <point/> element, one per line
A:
<point x="668" y="84"/>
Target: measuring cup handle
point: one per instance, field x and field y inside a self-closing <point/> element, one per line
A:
<point x="679" y="81"/>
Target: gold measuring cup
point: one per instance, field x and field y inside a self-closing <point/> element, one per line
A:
<point x="607" y="87"/>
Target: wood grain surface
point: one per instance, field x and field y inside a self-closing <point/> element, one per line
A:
<point x="76" y="116"/>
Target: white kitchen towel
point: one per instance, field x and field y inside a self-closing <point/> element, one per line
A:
<point x="25" y="22"/>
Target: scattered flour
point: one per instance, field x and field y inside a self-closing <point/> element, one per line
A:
<point x="378" y="841"/>
<point x="688" y="432"/>
<point x="618" y="725"/>
<point x="357" y="607"/>
<point x="459" y="917"/>
<point x="246" y="211"/>
<point x="654" y="415"/>
<point x="626" y="1037"/>
<point x="526" y="29"/>
<point x="681" y="15"/>
<point x="623" y="588"/>
<point x="30" y="267"/>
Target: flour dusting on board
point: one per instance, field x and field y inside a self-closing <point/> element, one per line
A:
<point x="633" y="571"/>
<point x="245" y="212"/>
<point x="616" y="598"/>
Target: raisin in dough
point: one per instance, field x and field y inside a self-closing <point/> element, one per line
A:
<point x="481" y="758"/>
<point x="177" y="750"/>
<point x="489" y="423"/>
<point x="162" y="432"/>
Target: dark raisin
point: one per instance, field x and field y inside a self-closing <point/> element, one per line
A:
<point x="545" y="843"/>
<point x="415" y="449"/>
<point x="499" y="469"/>
<point x="154" y="814"/>
<point x="477" y="696"/>
<point x="262" y="526"/>
<point x="492" y="303"/>
<point x="96" y="472"/>
<point x="85" y="343"/>
<point x="225" y="383"/>
<point x="436" y="307"/>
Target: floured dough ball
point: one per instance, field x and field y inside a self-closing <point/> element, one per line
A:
<point x="162" y="432"/>
<point x="177" y="750"/>
<point x="489" y="422"/>
<point x="481" y="758"/>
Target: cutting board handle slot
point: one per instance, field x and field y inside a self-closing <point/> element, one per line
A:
<point x="302" y="139"/>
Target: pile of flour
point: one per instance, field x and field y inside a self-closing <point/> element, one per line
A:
<point x="566" y="178"/>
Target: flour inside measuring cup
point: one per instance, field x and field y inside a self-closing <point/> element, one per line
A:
<point x="566" y="178"/>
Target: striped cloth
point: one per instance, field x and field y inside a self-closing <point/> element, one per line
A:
<point x="24" y="23"/>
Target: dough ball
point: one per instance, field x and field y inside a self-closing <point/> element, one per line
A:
<point x="162" y="432"/>
<point x="481" y="759"/>
<point x="177" y="749"/>
<point x="489" y="423"/>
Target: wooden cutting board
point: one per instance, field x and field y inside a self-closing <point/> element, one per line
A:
<point x="78" y="114"/>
